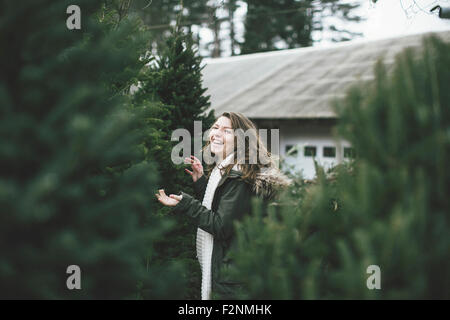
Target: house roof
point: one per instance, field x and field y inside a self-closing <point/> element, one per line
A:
<point x="297" y="83"/>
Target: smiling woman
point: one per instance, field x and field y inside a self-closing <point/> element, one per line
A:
<point x="223" y="196"/>
<point x="221" y="137"/>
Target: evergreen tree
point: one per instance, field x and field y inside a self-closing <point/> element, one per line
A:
<point x="154" y="119"/>
<point x="279" y="24"/>
<point x="169" y="96"/>
<point x="232" y="6"/>
<point x="160" y="16"/>
<point x="74" y="184"/>
<point x="269" y="22"/>
<point x="388" y="209"/>
<point x="174" y="78"/>
<point x="330" y="17"/>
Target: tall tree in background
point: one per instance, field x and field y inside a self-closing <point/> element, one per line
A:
<point x="221" y="17"/>
<point x="74" y="182"/>
<point x="270" y="22"/>
<point x="280" y="24"/>
<point x="161" y="16"/>
<point x="158" y="16"/>
<point x="232" y="6"/>
<point x="330" y="17"/>
<point x="215" y="24"/>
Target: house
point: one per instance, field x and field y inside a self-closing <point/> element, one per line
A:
<point x="292" y="90"/>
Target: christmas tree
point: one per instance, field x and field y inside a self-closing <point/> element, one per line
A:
<point x="174" y="78"/>
<point x="75" y="183"/>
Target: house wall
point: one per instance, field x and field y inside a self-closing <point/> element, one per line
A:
<point x="307" y="133"/>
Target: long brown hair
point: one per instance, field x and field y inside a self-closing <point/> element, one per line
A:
<point x="249" y="171"/>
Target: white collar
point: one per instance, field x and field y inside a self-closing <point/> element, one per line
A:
<point x="228" y="160"/>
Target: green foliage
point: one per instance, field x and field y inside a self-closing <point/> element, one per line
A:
<point x="263" y="27"/>
<point x="388" y="208"/>
<point x="174" y="78"/>
<point x="159" y="16"/>
<point x="74" y="183"/>
<point x="292" y="22"/>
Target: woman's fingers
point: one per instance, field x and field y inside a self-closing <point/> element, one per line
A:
<point x="192" y="159"/>
<point x="176" y="197"/>
<point x="195" y="158"/>
<point x="162" y="194"/>
<point x="160" y="199"/>
<point x="196" y="165"/>
<point x="188" y="161"/>
<point x="158" y="195"/>
<point x="165" y="200"/>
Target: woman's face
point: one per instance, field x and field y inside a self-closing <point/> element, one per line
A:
<point x="221" y="137"/>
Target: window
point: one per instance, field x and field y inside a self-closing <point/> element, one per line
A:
<point x="310" y="151"/>
<point x="329" y="152"/>
<point x="349" y="152"/>
<point x="290" y="150"/>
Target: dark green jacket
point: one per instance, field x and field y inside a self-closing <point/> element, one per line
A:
<point x="231" y="201"/>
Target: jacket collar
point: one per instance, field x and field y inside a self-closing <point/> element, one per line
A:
<point x="267" y="183"/>
<point x="233" y="174"/>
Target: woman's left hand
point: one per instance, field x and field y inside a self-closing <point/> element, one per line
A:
<point x="170" y="201"/>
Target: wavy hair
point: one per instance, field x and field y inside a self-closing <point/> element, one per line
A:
<point x="253" y="146"/>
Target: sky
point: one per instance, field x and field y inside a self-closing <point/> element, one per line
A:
<point x="386" y="18"/>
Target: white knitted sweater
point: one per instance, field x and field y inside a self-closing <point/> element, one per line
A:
<point x="205" y="240"/>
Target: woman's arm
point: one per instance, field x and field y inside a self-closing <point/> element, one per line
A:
<point x="200" y="187"/>
<point x="234" y="202"/>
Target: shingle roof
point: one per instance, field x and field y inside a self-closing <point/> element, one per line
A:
<point x="297" y="83"/>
